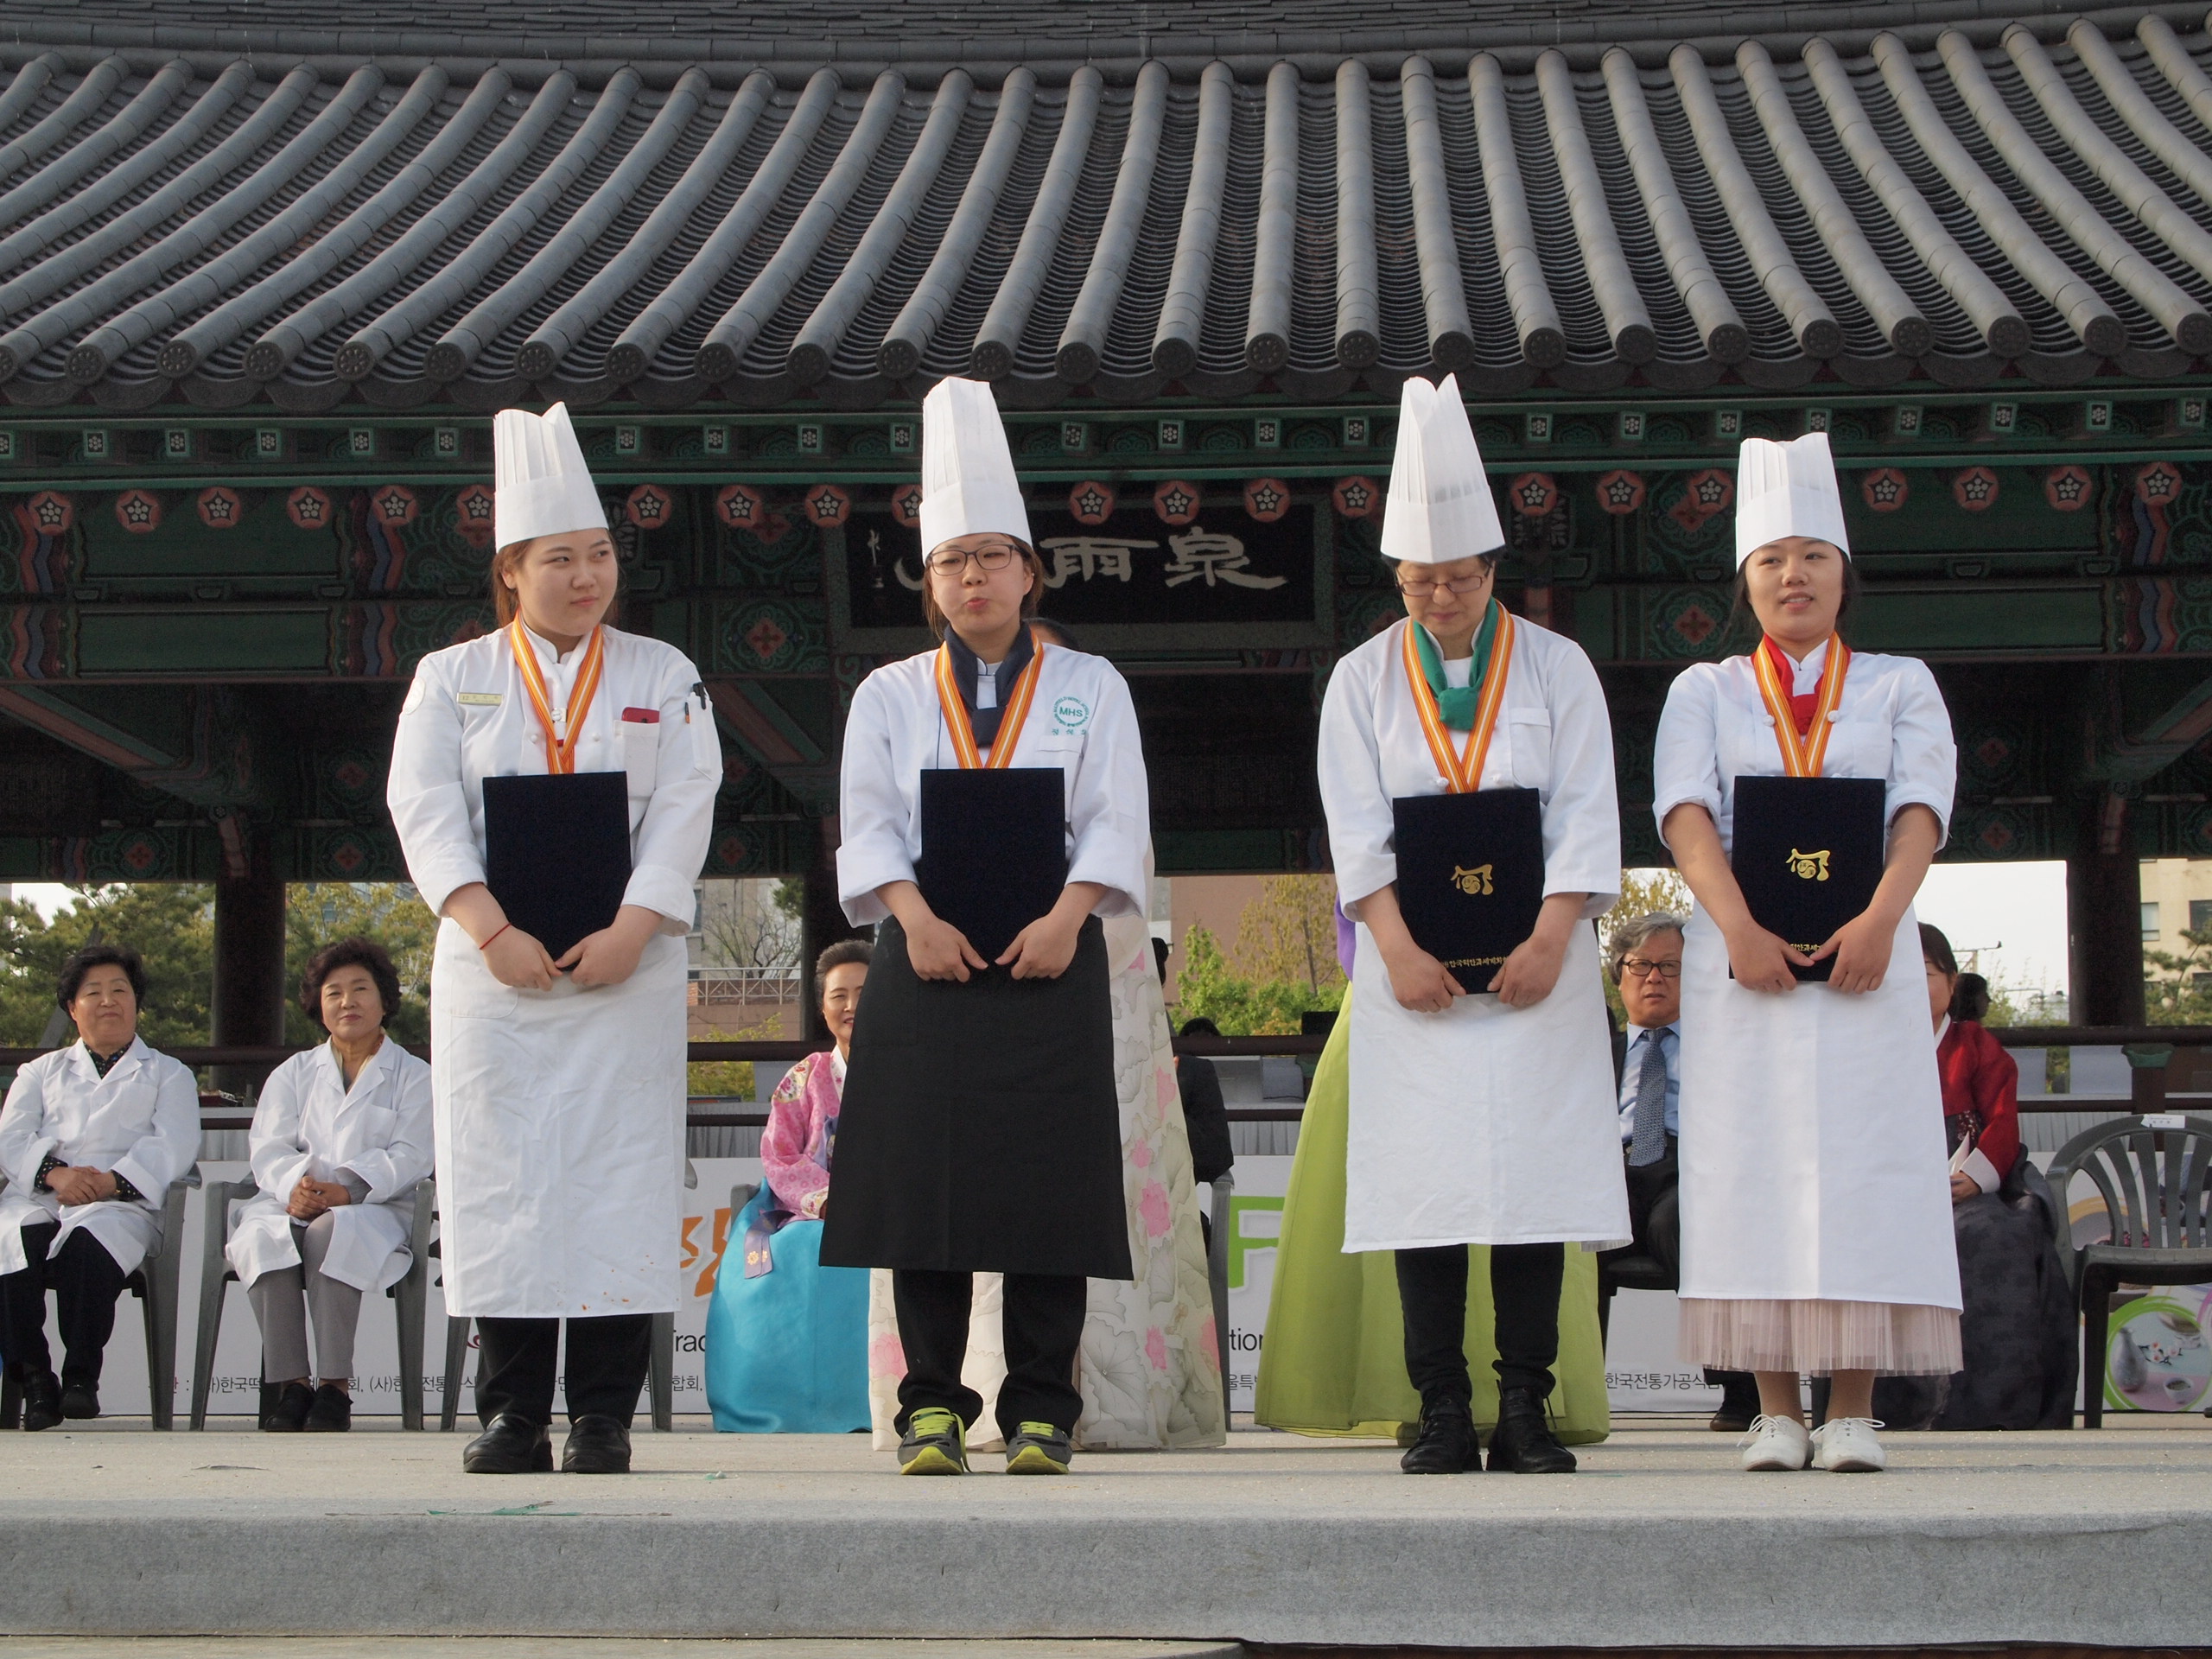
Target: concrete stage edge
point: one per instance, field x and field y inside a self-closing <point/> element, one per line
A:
<point x="2064" y="1539"/>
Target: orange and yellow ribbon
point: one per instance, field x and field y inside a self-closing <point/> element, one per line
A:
<point x="1462" y="771"/>
<point x="964" y="731"/>
<point x="1802" y="757"/>
<point x="561" y="731"/>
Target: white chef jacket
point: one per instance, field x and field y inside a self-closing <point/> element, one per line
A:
<point x="1483" y="1124"/>
<point x="1812" y="1141"/>
<point x="559" y="1114"/>
<point x="308" y="1123"/>
<point x="468" y="717"/>
<point x="1080" y="721"/>
<point x="141" y="1121"/>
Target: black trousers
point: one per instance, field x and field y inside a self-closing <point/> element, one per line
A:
<point x="1524" y="1286"/>
<point x="1042" y="1318"/>
<point x="84" y="1281"/>
<point x="607" y="1360"/>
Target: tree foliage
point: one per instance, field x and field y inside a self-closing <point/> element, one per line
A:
<point x="2178" y="985"/>
<point x="171" y="925"/>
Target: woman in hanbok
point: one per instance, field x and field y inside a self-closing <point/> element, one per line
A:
<point x="2018" y="1330"/>
<point x="1473" y="1119"/>
<point x="559" y="1083"/>
<point x="979" y="1129"/>
<point x="786" y="1337"/>
<point x="1817" y="1228"/>
<point x="341" y="1135"/>
<point x="91" y="1138"/>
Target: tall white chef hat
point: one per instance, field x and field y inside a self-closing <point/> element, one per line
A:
<point x="541" y="486"/>
<point x="968" y="479"/>
<point x="1787" y="489"/>
<point x="1440" y="507"/>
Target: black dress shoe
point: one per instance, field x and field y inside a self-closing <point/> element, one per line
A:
<point x="288" y="1412"/>
<point x="511" y="1445"/>
<point x="42" y="1400"/>
<point x="597" y="1446"/>
<point x="1731" y="1419"/>
<point x="332" y="1412"/>
<point x="80" y="1399"/>
<point x="1446" y="1443"/>
<point x="1522" y="1443"/>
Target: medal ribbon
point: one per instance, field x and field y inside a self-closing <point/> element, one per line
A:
<point x="963" y="732"/>
<point x="1462" y="771"/>
<point x="560" y="748"/>
<point x="1802" y="756"/>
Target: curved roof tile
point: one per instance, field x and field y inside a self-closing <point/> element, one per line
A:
<point x="1930" y="202"/>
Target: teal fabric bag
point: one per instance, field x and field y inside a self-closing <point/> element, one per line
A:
<point x="787" y="1351"/>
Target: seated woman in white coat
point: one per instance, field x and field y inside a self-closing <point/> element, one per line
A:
<point x="1481" y="1118"/>
<point x="340" y="1136"/>
<point x="1815" y="1205"/>
<point x="90" y="1139"/>
<point x="558" y="1078"/>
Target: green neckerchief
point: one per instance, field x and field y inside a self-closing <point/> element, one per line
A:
<point x="1456" y="703"/>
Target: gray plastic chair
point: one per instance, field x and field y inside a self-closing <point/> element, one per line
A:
<point x="1224" y="1189"/>
<point x="2154" y="1174"/>
<point x="154" y="1282"/>
<point x="660" y="1371"/>
<point x="410" y="1296"/>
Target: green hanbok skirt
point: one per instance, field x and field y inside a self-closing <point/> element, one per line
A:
<point x="1334" y="1360"/>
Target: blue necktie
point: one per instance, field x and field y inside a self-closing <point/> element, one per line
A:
<point x="1649" y="1143"/>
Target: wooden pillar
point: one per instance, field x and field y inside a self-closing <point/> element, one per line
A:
<point x="2104" y="917"/>
<point x="250" y="988"/>
<point x="822" y="924"/>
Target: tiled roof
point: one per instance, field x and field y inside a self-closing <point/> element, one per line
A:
<point x="1933" y="205"/>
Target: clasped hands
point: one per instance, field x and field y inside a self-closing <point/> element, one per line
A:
<point x="1043" y="950"/>
<point x="1861" y="948"/>
<point x="310" y="1197"/>
<point x="520" y="960"/>
<point x="80" y="1184"/>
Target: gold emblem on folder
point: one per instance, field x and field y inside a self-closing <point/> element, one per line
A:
<point x="1476" y="881"/>
<point x="1809" y="866"/>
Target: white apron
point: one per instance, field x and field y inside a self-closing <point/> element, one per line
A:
<point x="308" y="1123"/>
<point x="1813" y="1152"/>
<point x="1483" y="1124"/>
<point x="560" y="1136"/>
<point x="142" y="1121"/>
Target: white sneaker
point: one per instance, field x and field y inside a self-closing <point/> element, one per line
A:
<point x="1847" y="1446"/>
<point x="1776" y="1443"/>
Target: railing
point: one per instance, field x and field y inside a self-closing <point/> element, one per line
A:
<point x="2149" y="1049"/>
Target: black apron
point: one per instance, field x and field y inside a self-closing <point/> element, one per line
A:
<point x="980" y="1131"/>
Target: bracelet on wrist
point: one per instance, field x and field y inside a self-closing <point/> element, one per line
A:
<point x="496" y="931"/>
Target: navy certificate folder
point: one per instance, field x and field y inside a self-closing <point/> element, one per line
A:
<point x="1808" y="855"/>
<point x="994" y="849"/>
<point x="1470" y="876"/>
<point x="556" y="853"/>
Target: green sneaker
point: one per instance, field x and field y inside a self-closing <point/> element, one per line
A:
<point x="1038" y="1449"/>
<point x="935" y="1443"/>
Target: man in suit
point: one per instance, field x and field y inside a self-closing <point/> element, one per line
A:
<point x="1645" y="958"/>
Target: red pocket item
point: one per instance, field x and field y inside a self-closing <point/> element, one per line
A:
<point x="650" y="717"/>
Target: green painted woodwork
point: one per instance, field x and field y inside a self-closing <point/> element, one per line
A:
<point x="204" y="640"/>
<point x="1978" y="616"/>
<point x="265" y="542"/>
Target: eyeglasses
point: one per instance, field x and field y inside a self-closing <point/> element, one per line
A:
<point x="948" y="560"/>
<point x="1642" y="970"/>
<point x="1418" y="588"/>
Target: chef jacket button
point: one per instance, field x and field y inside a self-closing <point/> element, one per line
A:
<point x="1834" y="715"/>
<point x="1444" y="783"/>
<point x="1768" y="718"/>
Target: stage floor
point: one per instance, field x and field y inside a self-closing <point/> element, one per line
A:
<point x="2088" y="1539"/>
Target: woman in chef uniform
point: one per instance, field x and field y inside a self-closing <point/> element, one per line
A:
<point x="1489" y="1119"/>
<point x="90" y="1139"/>
<point x="980" y="1131"/>
<point x="341" y="1134"/>
<point x="1816" y="1226"/>
<point x="559" y="1085"/>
